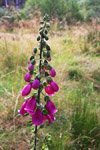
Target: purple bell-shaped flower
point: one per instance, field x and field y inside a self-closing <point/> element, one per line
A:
<point x="51" y="107"/>
<point x="52" y="72"/>
<point x="36" y="84"/>
<point x="27" y="77"/>
<point x="26" y="90"/>
<point x="22" y="111"/>
<point x="37" y="117"/>
<point x="31" y="105"/>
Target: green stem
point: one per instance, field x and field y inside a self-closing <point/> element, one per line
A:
<point x="40" y="63"/>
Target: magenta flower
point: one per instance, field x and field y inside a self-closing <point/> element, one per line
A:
<point x="22" y="111"/>
<point x="49" y="117"/>
<point x="36" y="84"/>
<point x="54" y="86"/>
<point x="37" y="117"/>
<point x="51" y="107"/>
<point x="49" y="91"/>
<point x="31" y="67"/>
<point x="31" y="105"/>
<point x="27" y="77"/>
<point x="26" y="90"/>
<point x="52" y="72"/>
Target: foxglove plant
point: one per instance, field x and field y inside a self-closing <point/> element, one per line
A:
<point x="41" y="83"/>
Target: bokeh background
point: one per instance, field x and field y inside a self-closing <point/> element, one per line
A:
<point x="75" y="42"/>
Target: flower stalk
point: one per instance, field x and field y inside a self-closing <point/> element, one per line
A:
<point x="40" y="60"/>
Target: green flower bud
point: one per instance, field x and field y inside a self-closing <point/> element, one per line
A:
<point x="46" y="32"/>
<point x="41" y="31"/>
<point x="45" y="112"/>
<point x="41" y="22"/>
<point x="49" y="79"/>
<point x="48" y="47"/>
<point x="46" y="98"/>
<point x="35" y="50"/>
<point x="32" y="57"/>
<point x="42" y="66"/>
<point x="40" y="28"/>
<point x="41" y="86"/>
<point x="48" y="54"/>
<point x="45" y="62"/>
<point x="44" y="54"/>
<point x="44" y="44"/>
<point x="49" y="66"/>
<point x="33" y="62"/>
<point x="38" y="76"/>
<point x="38" y="38"/>
<point x="46" y="37"/>
<point x="46" y="73"/>
<point x="45" y="84"/>
<point x="48" y="25"/>
<point x="31" y="72"/>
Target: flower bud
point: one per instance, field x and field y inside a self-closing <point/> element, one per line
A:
<point x="46" y="37"/>
<point x="32" y="57"/>
<point x="29" y="62"/>
<point x="27" y="77"/>
<point x="49" y="91"/>
<point x="49" y="67"/>
<point x="48" y="47"/>
<point x="52" y="72"/>
<point x="35" y="50"/>
<point x="46" y="98"/>
<point x="54" y="86"/>
<point x="49" y="79"/>
<point x="49" y="58"/>
<point x="31" y="67"/>
<point x="46" y="32"/>
<point x="36" y="84"/>
<point x="33" y="62"/>
<point x="45" y="62"/>
<point x="38" y="38"/>
<point x="26" y="90"/>
<point x="51" y="107"/>
<point x="48" y="55"/>
<point x="22" y="111"/>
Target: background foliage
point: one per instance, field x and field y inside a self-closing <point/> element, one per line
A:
<point x="75" y="42"/>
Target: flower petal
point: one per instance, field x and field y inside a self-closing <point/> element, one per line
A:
<point x="31" y="105"/>
<point x="51" y="107"/>
<point x="37" y="117"/>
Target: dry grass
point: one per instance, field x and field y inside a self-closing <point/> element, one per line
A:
<point x="78" y="94"/>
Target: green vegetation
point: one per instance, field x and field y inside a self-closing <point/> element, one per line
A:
<point x="76" y="57"/>
<point x="63" y="11"/>
<point x="77" y="124"/>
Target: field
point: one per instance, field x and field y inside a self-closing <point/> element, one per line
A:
<point x="76" y="58"/>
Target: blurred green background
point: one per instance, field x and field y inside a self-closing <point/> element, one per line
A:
<point x="75" y="42"/>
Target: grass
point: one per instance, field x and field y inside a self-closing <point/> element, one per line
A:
<point x="77" y="125"/>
